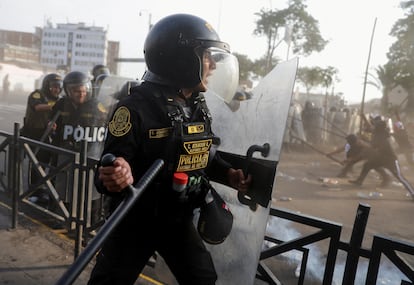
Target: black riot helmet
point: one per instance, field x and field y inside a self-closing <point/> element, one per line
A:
<point x="175" y="47"/>
<point x="76" y="79"/>
<point x="49" y="81"/>
<point x="99" y="69"/>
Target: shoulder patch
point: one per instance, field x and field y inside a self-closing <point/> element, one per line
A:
<point x="102" y="108"/>
<point x="121" y="122"/>
<point x="36" y="95"/>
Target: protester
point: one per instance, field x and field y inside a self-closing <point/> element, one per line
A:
<point x="383" y="156"/>
<point x="357" y="150"/>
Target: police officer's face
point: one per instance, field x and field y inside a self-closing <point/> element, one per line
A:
<point x="55" y="89"/>
<point x="78" y="94"/>
<point x="208" y="66"/>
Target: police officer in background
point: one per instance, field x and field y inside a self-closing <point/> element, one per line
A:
<point x="81" y="118"/>
<point x="165" y="117"/>
<point x="38" y="110"/>
<point x="99" y="73"/>
<point x="99" y="69"/>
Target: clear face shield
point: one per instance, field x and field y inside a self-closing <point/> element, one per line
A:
<point x="220" y="72"/>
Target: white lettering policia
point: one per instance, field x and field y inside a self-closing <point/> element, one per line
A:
<point x="78" y="133"/>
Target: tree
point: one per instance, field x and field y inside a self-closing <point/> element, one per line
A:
<point x="384" y="82"/>
<point x="400" y="65"/>
<point x="304" y="35"/>
<point x="312" y="77"/>
<point x="328" y="77"/>
<point x="245" y="66"/>
<point x="309" y="77"/>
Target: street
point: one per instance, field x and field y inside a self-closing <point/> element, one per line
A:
<point x="306" y="184"/>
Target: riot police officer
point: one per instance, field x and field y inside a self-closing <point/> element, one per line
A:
<point x="39" y="106"/>
<point x="165" y="117"/>
<point x="81" y="118"/>
<point x="99" y="69"/>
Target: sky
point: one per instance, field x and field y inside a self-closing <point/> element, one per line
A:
<point x="347" y="25"/>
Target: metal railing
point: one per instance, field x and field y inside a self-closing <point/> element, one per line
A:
<point x="16" y="151"/>
<point x="381" y="246"/>
<point x="76" y="214"/>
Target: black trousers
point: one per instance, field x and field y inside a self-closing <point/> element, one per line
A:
<point x="126" y="252"/>
<point x="392" y="165"/>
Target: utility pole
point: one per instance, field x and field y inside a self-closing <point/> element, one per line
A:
<point x="366" y="76"/>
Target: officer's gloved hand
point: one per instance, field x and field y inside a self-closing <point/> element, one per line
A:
<point x="238" y="181"/>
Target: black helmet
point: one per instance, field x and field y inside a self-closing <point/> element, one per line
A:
<point x="174" y="48"/>
<point x="98" y="70"/>
<point x="216" y="220"/>
<point x="76" y="78"/>
<point x="52" y="79"/>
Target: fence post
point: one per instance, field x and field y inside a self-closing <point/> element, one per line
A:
<point x="80" y="211"/>
<point x="355" y="243"/>
<point x="15" y="185"/>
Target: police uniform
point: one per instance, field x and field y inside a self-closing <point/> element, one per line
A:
<point x="35" y="124"/>
<point x="150" y="124"/>
<point x="74" y="124"/>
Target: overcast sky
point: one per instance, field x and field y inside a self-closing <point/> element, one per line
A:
<point x="346" y="24"/>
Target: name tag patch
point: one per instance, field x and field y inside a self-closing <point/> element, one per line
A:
<point x="159" y="133"/>
<point x="196" y="156"/>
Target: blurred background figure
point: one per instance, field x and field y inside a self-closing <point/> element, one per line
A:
<point x="35" y="124"/>
<point x="6" y="87"/>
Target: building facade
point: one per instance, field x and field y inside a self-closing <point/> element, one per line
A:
<point x="19" y="47"/>
<point x="73" y="47"/>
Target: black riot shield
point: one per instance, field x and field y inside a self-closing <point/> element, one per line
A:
<point x="251" y="139"/>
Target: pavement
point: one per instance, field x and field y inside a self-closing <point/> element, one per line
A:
<point x="35" y="254"/>
<point x="31" y="253"/>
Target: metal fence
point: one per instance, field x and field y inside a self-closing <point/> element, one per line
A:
<point x="382" y="247"/>
<point x="19" y="156"/>
<point x="17" y="153"/>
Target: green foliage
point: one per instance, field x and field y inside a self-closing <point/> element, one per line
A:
<point x="304" y="36"/>
<point x="400" y="65"/>
<point x="312" y="77"/>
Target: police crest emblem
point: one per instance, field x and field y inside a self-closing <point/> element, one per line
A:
<point x="121" y="122"/>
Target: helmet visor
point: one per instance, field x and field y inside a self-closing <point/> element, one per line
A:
<point x="222" y="76"/>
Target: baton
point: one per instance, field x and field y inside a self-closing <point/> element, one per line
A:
<point x="132" y="195"/>
<point x="48" y="129"/>
<point x="317" y="150"/>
